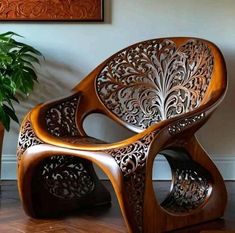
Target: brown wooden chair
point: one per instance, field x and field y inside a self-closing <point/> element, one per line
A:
<point x="162" y="89"/>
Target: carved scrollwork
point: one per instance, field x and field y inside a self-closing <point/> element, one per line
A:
<point x="132" y="162"/>
<point x="132" y="156"/>
<point x="66" y="177"/>
<point x="191" y="187"/>
<point x="50" y="9"/>
<point x="155" y="80"/>
<point x="182" y="124"/>
<point x="135" y="185"/>
<point x="61" y="118"/>
<point x="27" y="138"/>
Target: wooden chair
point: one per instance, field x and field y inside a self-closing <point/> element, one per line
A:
<point x="162" y="89"/>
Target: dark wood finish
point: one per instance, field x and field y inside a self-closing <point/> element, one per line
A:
<point x="1" y="141"/>
<point x="53" y="10"/>
<point x="103" y="219"/>
<point x="162" y="89"/>
<point x="218" y="231"/>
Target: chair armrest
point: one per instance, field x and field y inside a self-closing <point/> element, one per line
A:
<point x="58" y="118"/>
<point x="51" y="135"/>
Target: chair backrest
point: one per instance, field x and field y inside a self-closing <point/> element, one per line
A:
<point x="158" y="79"/>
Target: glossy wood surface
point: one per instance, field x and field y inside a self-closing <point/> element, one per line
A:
<point x="99" y="220"/>
<point x="55" y="156"/>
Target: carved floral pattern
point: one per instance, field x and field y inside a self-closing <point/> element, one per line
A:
<point x="132" y="162"/>
<point x="61" y="118"/>
<point x="26" y="139"/>
<point x="182" y="124"/>
<point x="132" y="156"/>
<point x="191" y="187"/>
<point x="155" y="80"/>
<point x="51" y="9"/>
<point x="66" y="177"/>
<point x="135" y="185"/>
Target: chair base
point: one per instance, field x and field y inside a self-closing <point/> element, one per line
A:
<point x="64" y="184"/>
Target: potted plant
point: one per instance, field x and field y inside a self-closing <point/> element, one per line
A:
<point x="17" y="75"/>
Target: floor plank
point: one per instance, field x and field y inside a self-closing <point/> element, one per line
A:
<point x="100" y="220"/>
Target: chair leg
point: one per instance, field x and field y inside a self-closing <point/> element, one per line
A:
<point x="191" y="186"/>
<point x="130" y="194"/>
<point x="65" y="183"/>
<point x="198" y="193"/>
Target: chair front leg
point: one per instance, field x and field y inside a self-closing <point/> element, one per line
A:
<point x="132" y="161"/>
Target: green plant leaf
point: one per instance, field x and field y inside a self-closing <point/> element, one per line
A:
<point x="6" y="34"/>
<point x="26" y="63"/>
<point x="17" y="73"/>
<point x="5" y="58"/>
<point x="28" y="49"/>
<point x="31" y="72"/>
<point x="31" y="58"/>
<point x="11" y="113"/>
<point x="12" y="97"/>
<point x="4" y="118"/>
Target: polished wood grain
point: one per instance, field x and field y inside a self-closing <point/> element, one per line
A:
<point x="55" y="156"/>
<point x="53" y="10"/>
<point x="104" y="219"/>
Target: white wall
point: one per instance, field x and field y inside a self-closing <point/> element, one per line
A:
<point x="72" y="50"/>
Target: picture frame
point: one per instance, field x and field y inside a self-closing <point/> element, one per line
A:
<point x="52" y="10"/>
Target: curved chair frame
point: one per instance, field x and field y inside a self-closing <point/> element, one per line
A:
<point x="55" y="157"/>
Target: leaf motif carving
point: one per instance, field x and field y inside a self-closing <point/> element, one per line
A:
<point x="153" y="81"/>
<point x="27" y="138"/>
<point x="61" y="118"/>
<point x="66" y="177"/>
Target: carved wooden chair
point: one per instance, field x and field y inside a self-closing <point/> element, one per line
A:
<point x="162" y="89"/>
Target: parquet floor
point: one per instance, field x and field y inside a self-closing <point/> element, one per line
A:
<point x="101" y="220"/>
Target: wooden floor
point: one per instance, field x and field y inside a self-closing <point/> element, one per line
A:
<point x="101" y="220"/>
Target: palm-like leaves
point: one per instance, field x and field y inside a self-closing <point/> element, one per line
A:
<point x="17" y="74"/>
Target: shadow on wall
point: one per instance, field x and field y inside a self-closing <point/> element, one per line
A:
<point x="219" y="133"/>
<point x="54" y="81"/>
<point x="108" y="11"/>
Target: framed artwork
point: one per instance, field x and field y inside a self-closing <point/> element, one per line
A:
<point x="51" y="10"/>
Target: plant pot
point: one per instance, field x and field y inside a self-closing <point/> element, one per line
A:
<point x="1" y="141"/>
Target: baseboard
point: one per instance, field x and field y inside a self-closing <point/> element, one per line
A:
<point x="8" y="167"/>
<point x="225" y="163"/>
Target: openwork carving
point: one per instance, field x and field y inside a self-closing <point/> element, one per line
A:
<point x="132" y="162"/>
<point x="182" y="124"/>
<point x="51" y="10"/>
<point x="191" y="187"/>
<point x="66" y="177"/>
<point x="155" y="80"/>
<point x="135" y="185"/>
<point x="61" y="118"/>
<point x="132" y="156"/>
<point x="27" y="138"/>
